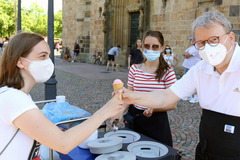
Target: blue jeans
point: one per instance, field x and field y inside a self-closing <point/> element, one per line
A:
<point x="75" y="54"/>
<point x="186" y="70"/>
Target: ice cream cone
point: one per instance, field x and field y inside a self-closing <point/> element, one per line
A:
<point x="116" y="86"/>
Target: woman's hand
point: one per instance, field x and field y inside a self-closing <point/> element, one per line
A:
<point x="148" y="112"/>
<point x="114" y="106"/>
<point x="119" y="116"/>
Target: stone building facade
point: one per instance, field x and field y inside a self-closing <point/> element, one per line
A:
<point x="97" y="25"/>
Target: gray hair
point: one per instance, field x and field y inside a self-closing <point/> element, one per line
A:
<point x="210" y="18"/>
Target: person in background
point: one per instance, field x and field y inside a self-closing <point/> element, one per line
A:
<point x="67" y="55"/>
<point x="169" y="57"/>
<point x="57" y="47"/>
<point x="5" y="42"/>
<point x="111" y="53"/>
<point x="23" y="126"/>
<point x="192" y="57"/>
<point x="216" y="79"/>
<point x="152" y="75"/>
<point x="1" y="47"/>
<point x="1" y="44"/>
<point x="75" y="51"/>
<point x="135" y="56"/>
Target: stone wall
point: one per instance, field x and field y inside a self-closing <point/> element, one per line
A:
<point x="69" y="22"/>
<point x="82" y="23"/>
<point x="97" y="25"/>
<point x="174" y="19"/>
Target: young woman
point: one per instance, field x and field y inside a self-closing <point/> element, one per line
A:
<point x="24" y="63"/>
<point x="152" y="75"/>
<point x="135" y="56"/>
<point x="169" y="56"/>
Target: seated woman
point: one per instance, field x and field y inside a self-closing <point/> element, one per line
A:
<point x="23" y="126"/>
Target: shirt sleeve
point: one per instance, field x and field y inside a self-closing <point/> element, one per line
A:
<point x="193" y="51"/>
<point x="14" y="108"/>
<point x="131" y="53"/>
<point x="170" y="78"/>
<point x="186" y="86"/>
<point x="131" y="75"/>
<point x="187" y="50"/>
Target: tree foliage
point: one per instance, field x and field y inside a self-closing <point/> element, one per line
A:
<point x="58" y="24"/>
<point x="7" y="18"/>
<point x="33" y="19"/>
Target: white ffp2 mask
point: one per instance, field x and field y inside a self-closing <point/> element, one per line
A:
<point x="214" y="55"/>
<point x="41" y="70"/>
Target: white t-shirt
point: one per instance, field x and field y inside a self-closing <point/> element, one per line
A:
<point x="169" y="59"/>
<point x="5" y="44"/>
<point x="219" y="93"/>
<point x="13" y="103"/>
<point x="191" y="61"/>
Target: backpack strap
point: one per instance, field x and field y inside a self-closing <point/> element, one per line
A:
<point x="9" y="142"/>
<point x="13" y="135"/>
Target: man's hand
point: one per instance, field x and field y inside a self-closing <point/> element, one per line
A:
<point x="127" y="96"/>
<point x="187" y="55"/>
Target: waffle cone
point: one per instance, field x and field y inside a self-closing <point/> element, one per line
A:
<point x="116" y="87"/>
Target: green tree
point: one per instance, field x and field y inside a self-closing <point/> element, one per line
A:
<point x="34" y="19"/>
<point x="7" y="18"/>
<point x="58" y="24"/>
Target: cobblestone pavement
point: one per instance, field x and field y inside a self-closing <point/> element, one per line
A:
<point x="90" y="86"/>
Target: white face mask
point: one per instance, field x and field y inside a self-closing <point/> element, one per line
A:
<point x="41" y="70"/>
<point x="151" y="55"/>
<point x="214" y="55"/>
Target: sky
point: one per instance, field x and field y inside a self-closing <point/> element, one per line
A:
<point x="44" y="4"/>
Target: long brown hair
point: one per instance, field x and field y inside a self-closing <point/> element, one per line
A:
<point x="19" y="46"/>
<point x="163" y="65"/>
<point x="135" y="45"/>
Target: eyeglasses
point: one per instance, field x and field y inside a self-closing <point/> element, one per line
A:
<point x="212" y="41"/>
<point x="155" y="47"/>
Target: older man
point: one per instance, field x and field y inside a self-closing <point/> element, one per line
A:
<point x="216" y="80"/>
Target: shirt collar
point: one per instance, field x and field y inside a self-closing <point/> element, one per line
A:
<point x="234" y="64"/>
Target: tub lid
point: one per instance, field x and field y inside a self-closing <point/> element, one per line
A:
<point x="128" y="136"/>
<point x="119" y="155"/>
<point x="105" y="145"/>
<point x="147" y="149"/>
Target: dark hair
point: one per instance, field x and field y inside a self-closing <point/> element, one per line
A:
<point x="135" y="45"/>
<point x="118" y="46"/>
<point x="166" y="49"/>
<point x="19" y="46"/>
<point x="163" y="65"/>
